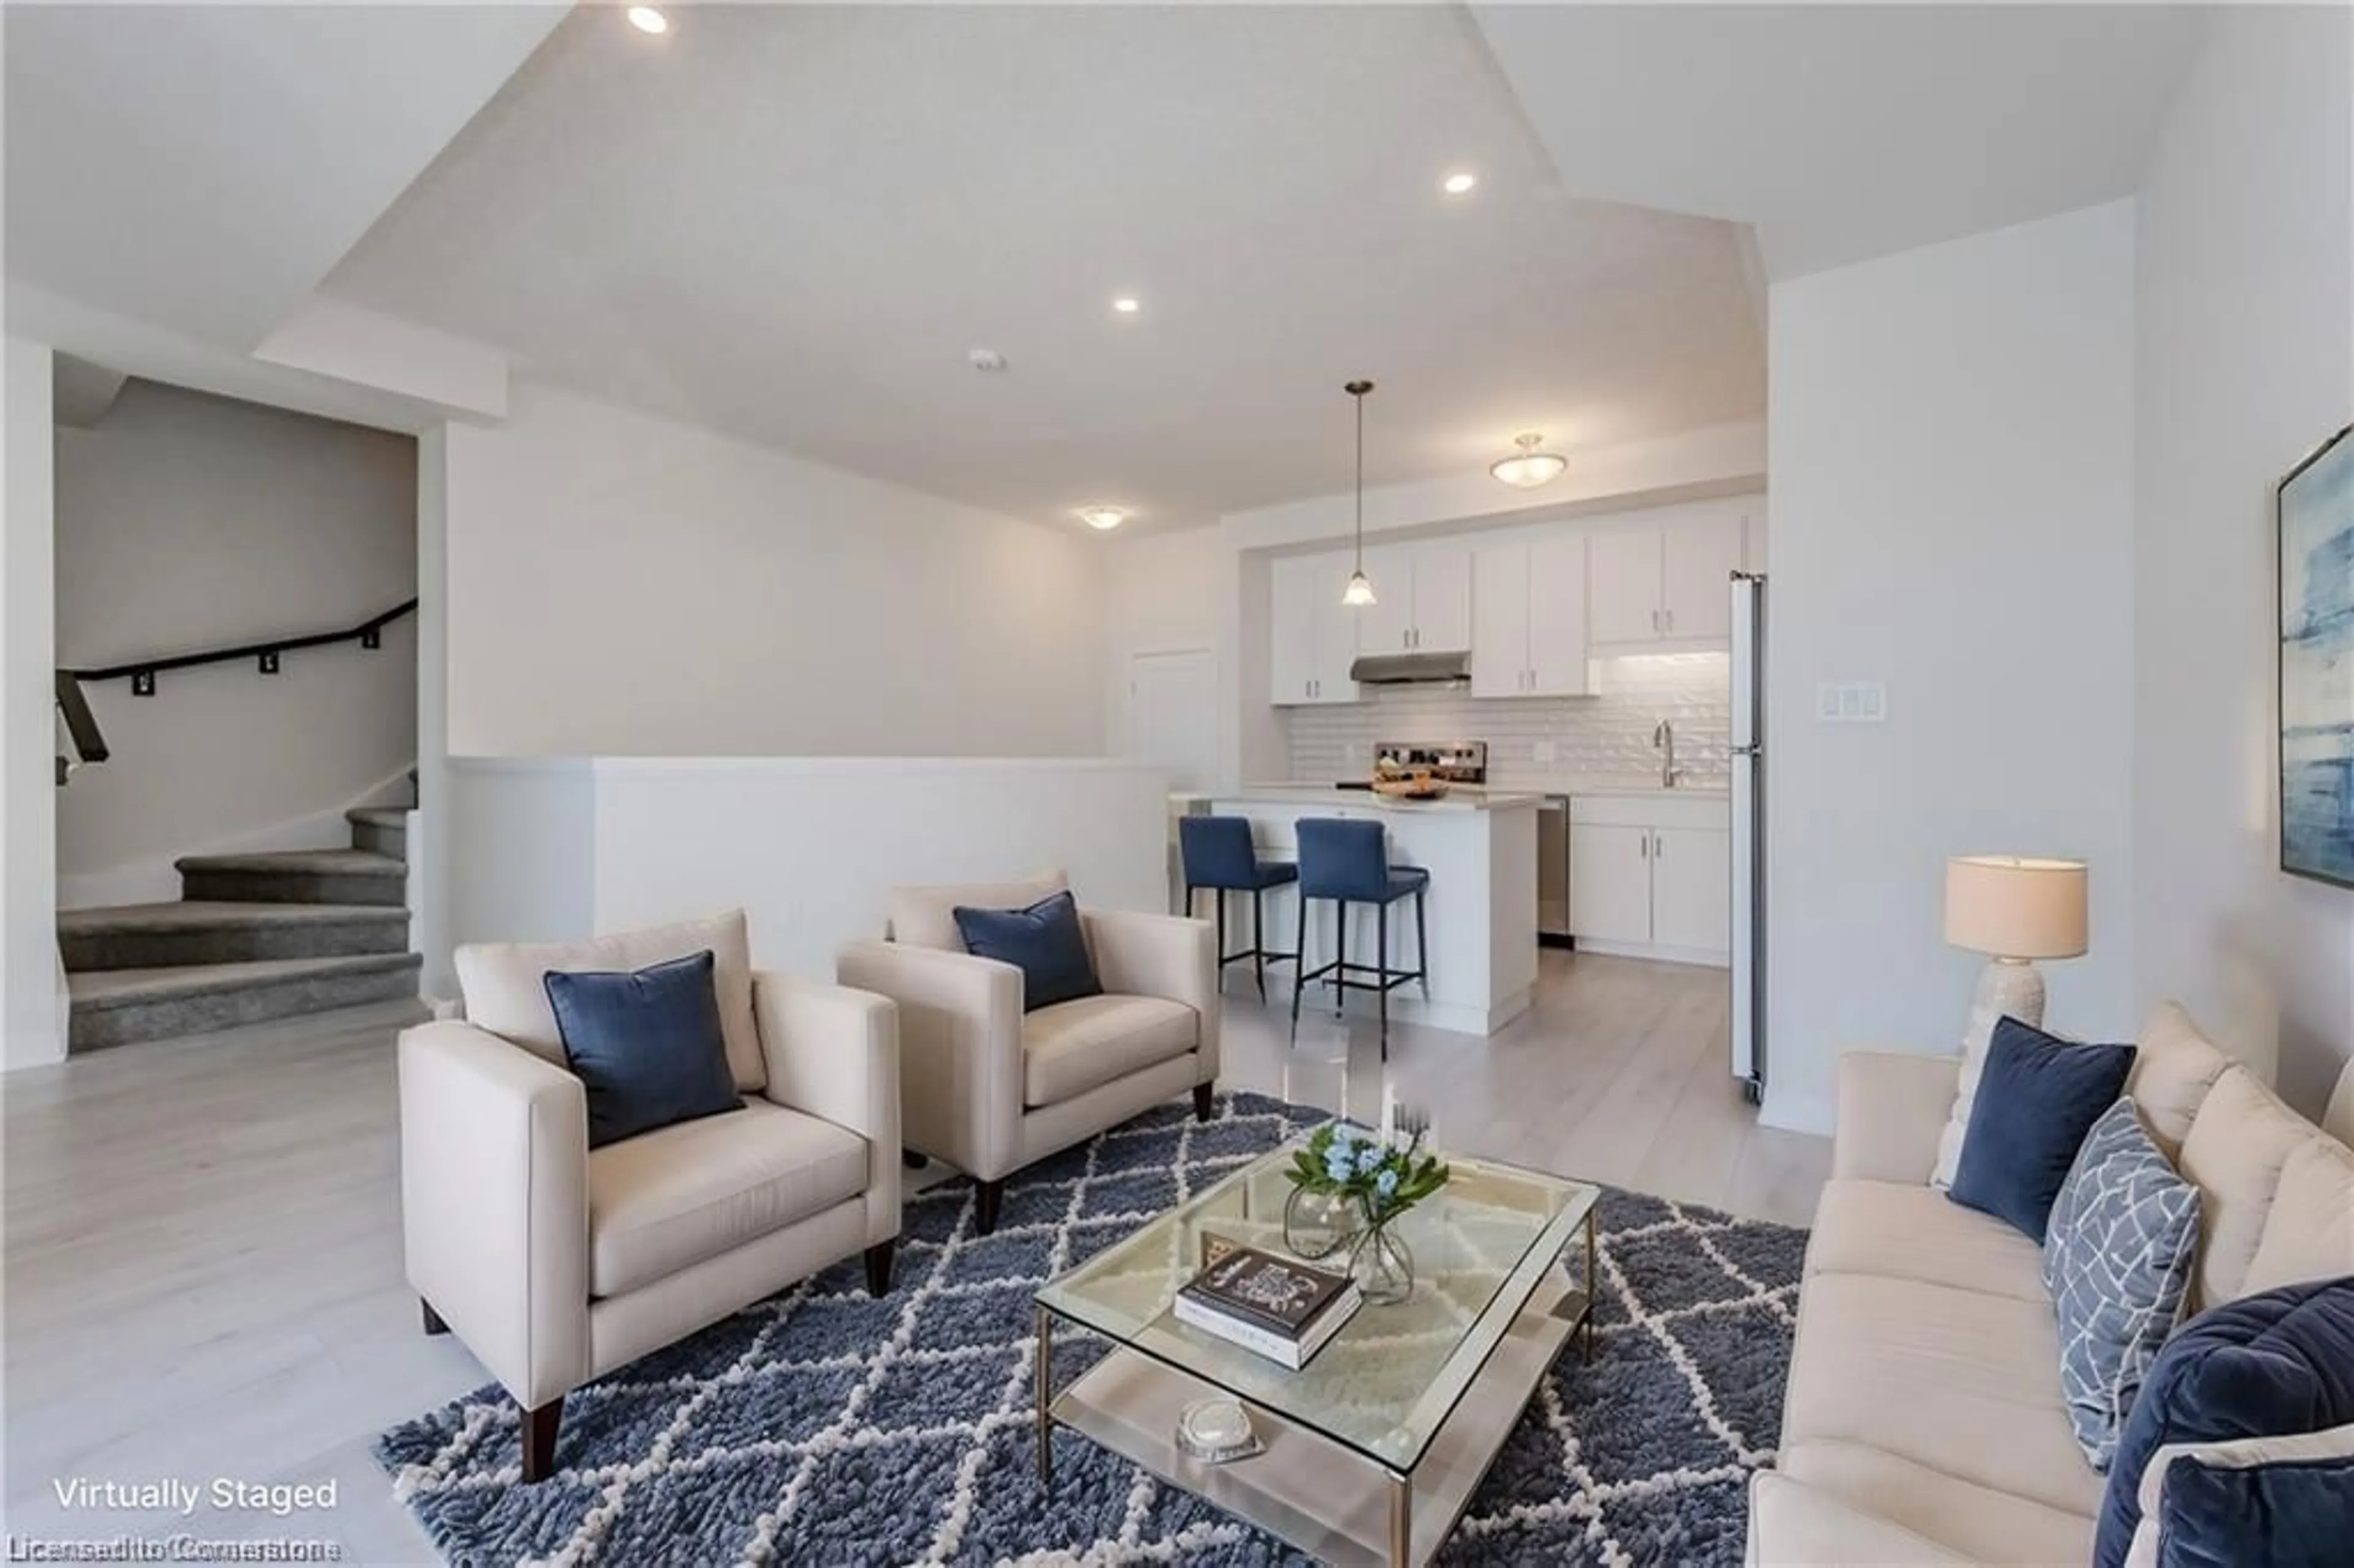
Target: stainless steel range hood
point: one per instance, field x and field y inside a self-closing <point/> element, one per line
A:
<point x="1410" y="669"/>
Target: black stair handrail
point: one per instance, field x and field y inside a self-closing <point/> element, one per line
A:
<point x="369" y="633"/>
<point x="82" y="724"/>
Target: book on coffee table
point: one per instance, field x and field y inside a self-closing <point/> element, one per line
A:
<point x="1276" y="1307"/>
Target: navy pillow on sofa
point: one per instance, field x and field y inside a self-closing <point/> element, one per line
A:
<point x="1044" y="941"/>
<point x="2038" y="1096"/>
<point x="647" y="1046"/>
<point x="2267" y="1365"/>
<point x="2286" y="1514"/>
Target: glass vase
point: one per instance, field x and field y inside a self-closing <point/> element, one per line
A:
<point x="1379" y="1263"/>
<point x="1317" y="1224"/>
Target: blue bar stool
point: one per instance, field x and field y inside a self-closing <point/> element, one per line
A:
<point x="1218" y="855"/>
<point x="1348" y="861"/>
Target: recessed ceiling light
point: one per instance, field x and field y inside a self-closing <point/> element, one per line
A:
<point x="646" y="19"/>
<point x="1127" y="304"/>
<point x="1103" y="519"/>
<point x="1460" y="183"/>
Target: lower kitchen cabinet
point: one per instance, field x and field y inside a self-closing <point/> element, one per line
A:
<point x="1651" y="875"/>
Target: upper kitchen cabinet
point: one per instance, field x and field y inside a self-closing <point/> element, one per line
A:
<point x="1422" y="599"/>
<point x="1528" y="617"/>
<point x="1664" y="584"/>
<point x="1312" y="636"/>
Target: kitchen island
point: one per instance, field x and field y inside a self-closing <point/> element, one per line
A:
<point x="1481" y="852"/>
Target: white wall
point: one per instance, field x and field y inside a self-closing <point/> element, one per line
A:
<point x="31" y="1006"/>
<point x="186" y="522"/>
<point x="2246" y="360"/>
<point x="550" y="848"/>
<point x="1163" y="593"/>
<point x="621" y="585"/>
<point x="1952" y="460"/>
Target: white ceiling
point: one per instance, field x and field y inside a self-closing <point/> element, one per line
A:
<point x="201" y="167"/>
<point x="1847" y="132"/>
<point x="793" y="223"/>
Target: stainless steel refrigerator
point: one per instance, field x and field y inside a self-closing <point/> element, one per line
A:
<point x="1749" y="1052"/>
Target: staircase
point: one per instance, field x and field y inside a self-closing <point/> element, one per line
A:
<point x="253" y="937"/>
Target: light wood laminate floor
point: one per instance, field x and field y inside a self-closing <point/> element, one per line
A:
<point x="203" y="1244"/>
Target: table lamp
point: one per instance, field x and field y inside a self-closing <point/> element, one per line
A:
<point x="2015" y="911"/>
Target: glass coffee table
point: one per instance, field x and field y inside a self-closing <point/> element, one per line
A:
<point x="1374" y="1448"/>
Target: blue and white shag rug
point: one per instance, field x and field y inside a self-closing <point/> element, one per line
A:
<point x="820" y="1427"/>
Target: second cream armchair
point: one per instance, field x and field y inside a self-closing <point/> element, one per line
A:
<point x="989" y="1087"/>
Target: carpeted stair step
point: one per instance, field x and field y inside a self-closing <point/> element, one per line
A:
<point x="157" y="936"/>
<point x="295" y="876"/>
<point x="380" y="830"/>
<point x="117" y="1006"/>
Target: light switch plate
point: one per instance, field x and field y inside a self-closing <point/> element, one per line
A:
<point x="1852" y="702"/>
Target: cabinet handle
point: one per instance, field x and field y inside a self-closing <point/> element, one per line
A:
<point x="1643" y="846"/>
<point x="1671" y="620"/>
<point x="1655" y="622"/>
<point x="1658" y="847"/>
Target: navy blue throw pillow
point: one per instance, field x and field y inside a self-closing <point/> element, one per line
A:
<point x="2269" y="1365"/>
<point x="2293" y="1514"/>
<point x="647" y="1046"/>
<point x="1044" y="941"/>
<point x="2037" y="1097"/>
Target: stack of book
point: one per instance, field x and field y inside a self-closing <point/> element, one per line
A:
<point x="1275" y="1307"/>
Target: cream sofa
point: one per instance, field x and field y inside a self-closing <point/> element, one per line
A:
<point x="991" y="1087"/>
<point x="1924" y="1422"/>
<point x="556" y="1263"/>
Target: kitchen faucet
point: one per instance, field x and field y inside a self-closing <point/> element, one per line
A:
<point x="1663" y="738"/>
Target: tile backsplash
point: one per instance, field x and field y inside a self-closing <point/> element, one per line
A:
<point x="1609" y="734"/>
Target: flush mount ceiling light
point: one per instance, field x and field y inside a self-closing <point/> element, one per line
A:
<point x="646" y="19"/>
<point x="1360" y="592"/>
<point x="1529" y="468"/>
<point x="1103" y="519"/>
<point x="1462" y="181"/>
<point x="1127" y="304"/>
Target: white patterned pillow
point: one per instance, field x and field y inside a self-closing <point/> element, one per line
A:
<point x="2117" y="1259"/>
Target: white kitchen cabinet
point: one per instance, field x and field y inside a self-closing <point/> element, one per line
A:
<point x="1528" y="617"/>
<point x="1692" y="889"/>
<point x="1664" y="585"/>
<point x="1312" y="636"/>
<point x="1623" y="585"/>
<point x="1422" y="599"/>
<point x="1610" y="882"/>
<point x="1697" y="564"/>
<point x="1651" y="875"/>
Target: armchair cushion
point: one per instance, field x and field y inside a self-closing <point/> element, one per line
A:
<point x="925" y="916"/>
<point x="505" y="993"/>
<point x="1075" y="1046"/>
<point x="646" y="1045"/>
<point x="1044" y="941"/>
<point x="663" y="1202"/>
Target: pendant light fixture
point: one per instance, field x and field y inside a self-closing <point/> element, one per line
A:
<point x="1360" y="592"/>
<point x="1529" y="468"/>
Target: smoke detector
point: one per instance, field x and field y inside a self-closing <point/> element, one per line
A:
<point x="988" y="361"/>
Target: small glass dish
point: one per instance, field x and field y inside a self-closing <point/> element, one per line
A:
<point x="1216" y="1431"/>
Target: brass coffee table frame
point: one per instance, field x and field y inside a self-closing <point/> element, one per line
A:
<point x="1324" y="1495"/>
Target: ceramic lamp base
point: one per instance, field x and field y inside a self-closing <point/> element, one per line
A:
<point x="2011" y="987"/>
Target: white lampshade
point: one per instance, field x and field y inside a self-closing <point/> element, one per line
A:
<point x="2010" y="908"/>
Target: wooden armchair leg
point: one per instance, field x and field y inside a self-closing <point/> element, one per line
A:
<point x="1202" y="1093"/>
<point x="986" y="1197"/>
<point x="878" y="1268"/>
<point x="539" y="1439"/>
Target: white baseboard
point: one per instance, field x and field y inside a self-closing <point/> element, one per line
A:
<point x="1702" y="958"/>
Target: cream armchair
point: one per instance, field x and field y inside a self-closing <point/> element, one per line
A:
<point x="556" y="1263"/>
<point x="989" y="1088"/>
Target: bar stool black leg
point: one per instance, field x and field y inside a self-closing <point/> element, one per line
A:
<point x="1421" y="946"/>
<point x="1259" y="938"/>
<point x="1341" y="955"/>
<point x="1222" y="939"/>
<point x="1382" y="970"/>
<point x="1298" y="967"/>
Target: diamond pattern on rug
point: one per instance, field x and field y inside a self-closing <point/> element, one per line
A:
<point x="820" y="1427"/>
